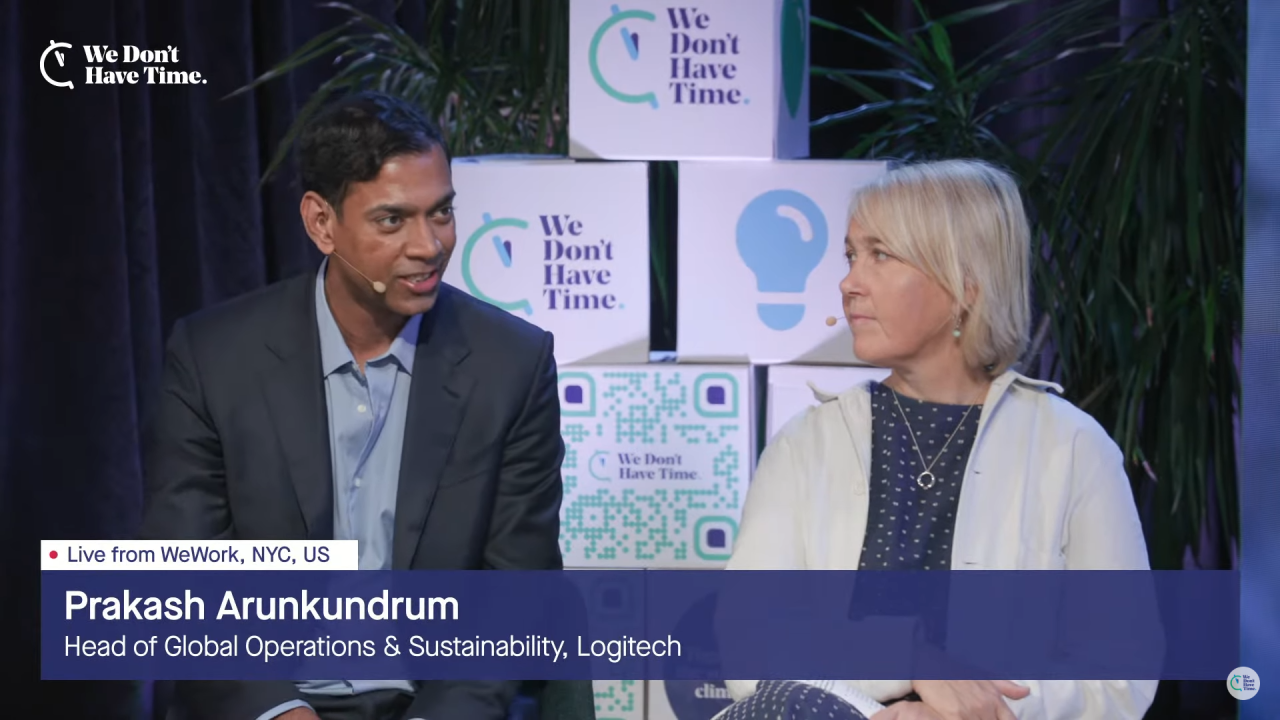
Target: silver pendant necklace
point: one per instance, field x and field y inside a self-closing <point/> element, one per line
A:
<point x="926" y="479"/>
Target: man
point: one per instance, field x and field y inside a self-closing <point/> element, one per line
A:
<point x="364" y="401"/>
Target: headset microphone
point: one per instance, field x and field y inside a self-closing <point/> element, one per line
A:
<point x="378" y="286"/>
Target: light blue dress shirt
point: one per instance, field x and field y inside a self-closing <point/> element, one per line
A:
<point x="367" y="414"/>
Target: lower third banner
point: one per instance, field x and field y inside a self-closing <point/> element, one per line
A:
<point x="634" y="624"/>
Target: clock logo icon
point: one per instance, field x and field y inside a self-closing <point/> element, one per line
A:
<point x="598" y="465"/>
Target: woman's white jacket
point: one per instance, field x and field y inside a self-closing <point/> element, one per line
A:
<point x="1044" y="489"/>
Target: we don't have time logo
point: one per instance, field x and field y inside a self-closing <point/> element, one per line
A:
<point x="681" y="55"/>
<point x="548" y="263"/>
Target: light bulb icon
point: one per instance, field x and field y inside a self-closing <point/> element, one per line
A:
<point x="782" y="236"/>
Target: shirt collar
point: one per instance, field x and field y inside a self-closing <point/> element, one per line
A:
<point x="334" y="353"/>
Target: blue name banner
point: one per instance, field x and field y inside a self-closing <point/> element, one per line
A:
<point x="639" y="624"/>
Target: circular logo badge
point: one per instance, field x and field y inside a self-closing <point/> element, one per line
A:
<point x="1242" y="683"/>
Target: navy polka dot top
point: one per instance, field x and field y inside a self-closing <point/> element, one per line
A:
<point x="910" y="521"/>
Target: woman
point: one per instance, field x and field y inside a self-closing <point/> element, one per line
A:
<point x="955" y="460"/>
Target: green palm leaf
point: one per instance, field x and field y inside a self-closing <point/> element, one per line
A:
<point x="500" y="86"/>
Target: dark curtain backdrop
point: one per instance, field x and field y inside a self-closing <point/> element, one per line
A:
<point x="123" y="208"/>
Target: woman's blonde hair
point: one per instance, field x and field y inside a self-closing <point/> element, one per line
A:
<point x="962" y="223"/>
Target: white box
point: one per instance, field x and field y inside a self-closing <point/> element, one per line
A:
<point x="619" y="699"/>
<point x="687" y="699"/>
<point x="656" y="80"/>
<point x="657" y="460"/>
<point x="761" y="257"/>
<point x="789" y="393"/>
<point x="562" y="244"/>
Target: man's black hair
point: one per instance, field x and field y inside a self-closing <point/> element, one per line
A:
<point x="349" y="140"/>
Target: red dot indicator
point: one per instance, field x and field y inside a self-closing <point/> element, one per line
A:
<point x="53" y="554"/>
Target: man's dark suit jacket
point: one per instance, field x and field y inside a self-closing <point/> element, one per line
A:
<point x="239" y="449"/>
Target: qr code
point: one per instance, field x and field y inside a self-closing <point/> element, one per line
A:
<point x="656" y="465"/>
<point x="619" y="699"/>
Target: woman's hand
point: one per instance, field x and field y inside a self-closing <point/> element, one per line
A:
<point x="969" y="699"/>
<point x="907" y="711"/>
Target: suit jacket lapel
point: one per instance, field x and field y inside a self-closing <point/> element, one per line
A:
<point x="437" y="401"/>
<point x="295" y="397"/>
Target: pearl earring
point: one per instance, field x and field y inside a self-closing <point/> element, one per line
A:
<point x="956" y="332"/>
